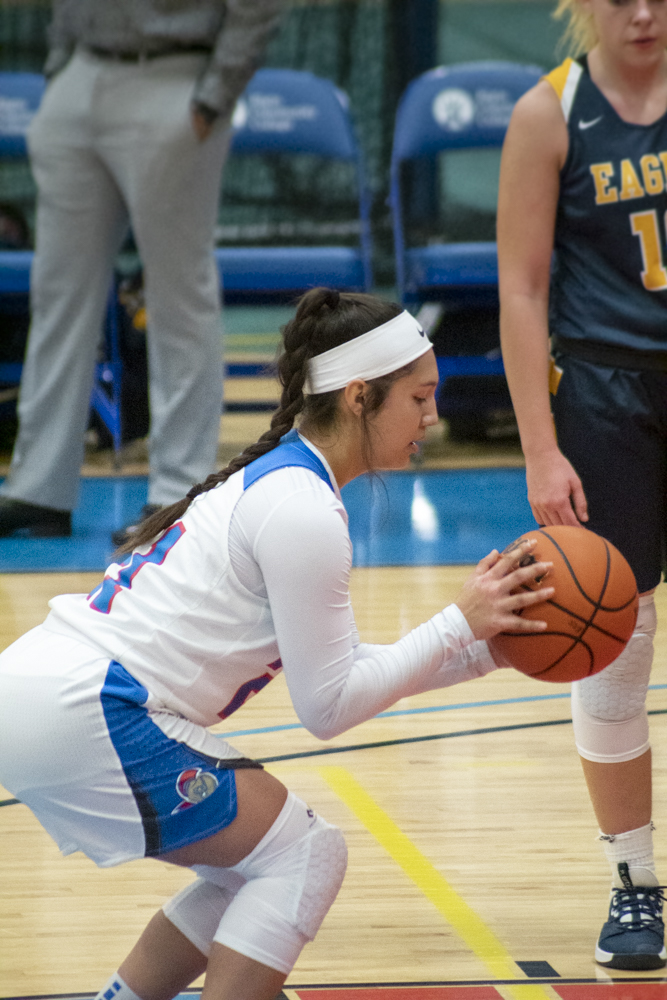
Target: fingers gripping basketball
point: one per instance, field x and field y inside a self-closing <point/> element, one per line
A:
<point x="591" y="615"/>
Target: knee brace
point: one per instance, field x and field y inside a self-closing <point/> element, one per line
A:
<point x="609" y="709"/>
<point x="288" y="883"/>
<point x="197" y="910"/>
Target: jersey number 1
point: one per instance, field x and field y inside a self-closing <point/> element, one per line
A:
<point x="645" y="226"/>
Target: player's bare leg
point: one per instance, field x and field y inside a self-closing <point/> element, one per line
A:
<point x="163" y="962"/>
<point x="259" y="867"/>
<point x="621" y="794"/>
<point x="232" y="976"/>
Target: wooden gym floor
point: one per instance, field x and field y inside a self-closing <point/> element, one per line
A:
<point x="473" y="859"/>
<point x="474" y="872"/>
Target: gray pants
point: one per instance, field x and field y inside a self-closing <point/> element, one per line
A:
<point x="112" y="145"/>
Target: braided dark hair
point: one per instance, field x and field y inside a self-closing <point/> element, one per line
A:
<point x="324" y="319"/>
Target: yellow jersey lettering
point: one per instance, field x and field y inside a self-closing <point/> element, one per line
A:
<point x="652" y="174"/>
<point x="630" y="183"/>
<point x="602" y="174"/>
<point x="645" y="226"/>
<point x="663" y="160"/>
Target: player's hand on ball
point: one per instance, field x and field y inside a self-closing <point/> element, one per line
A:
<point x="494" y="592"/>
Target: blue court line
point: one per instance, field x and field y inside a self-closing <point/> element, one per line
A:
<point x="422" y="711"/>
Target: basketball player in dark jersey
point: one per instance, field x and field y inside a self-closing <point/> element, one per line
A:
<point x="583" y="260"/>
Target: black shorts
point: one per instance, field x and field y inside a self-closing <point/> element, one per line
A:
<point x="611" y="424"/>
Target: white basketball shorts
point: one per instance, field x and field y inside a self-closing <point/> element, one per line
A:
<point x="102" y="772"/>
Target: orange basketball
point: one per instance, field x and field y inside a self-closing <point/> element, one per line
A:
<point x="590" y="617"/>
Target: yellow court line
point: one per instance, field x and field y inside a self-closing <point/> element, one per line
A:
<point x="462" y="918"/>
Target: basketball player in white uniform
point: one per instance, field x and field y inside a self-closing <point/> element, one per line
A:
<point x="104" y="708"/>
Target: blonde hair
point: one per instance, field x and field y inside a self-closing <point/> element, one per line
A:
<point x="580" y="35"/>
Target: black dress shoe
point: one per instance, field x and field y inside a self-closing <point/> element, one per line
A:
<point x="123" y="535"/>
<point x="29" y="520"/>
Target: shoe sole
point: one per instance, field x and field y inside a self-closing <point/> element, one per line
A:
<point x="631" y="963"/>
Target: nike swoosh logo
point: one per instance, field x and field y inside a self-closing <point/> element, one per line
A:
<point x="584" y="125"/>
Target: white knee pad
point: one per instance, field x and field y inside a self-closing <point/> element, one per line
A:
<point x="197" y="910"/>
<point x="609" y="709"/>
<point x="289" y="882"/>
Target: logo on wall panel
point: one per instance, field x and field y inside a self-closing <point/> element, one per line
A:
<point x="454" y="109"/>
<point x="194" y="785"/>
<point x="269" y="113"/>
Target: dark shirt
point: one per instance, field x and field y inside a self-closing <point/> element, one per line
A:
<point x="610" y="280"/>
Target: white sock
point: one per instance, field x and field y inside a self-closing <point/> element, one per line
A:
<point x="630" y="856"/>
<point x="116" y="989"/>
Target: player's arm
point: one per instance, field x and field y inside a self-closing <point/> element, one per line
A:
<point x="304" y="554"/>
<point x="534" y="152"/>
<point x="238" y="51"/>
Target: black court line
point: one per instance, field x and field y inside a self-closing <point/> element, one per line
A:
<point x="413" y="739"/>
<point x="552" y="981"/>
<point x="192" y="991"/>
<point x="426" y="739"/>
<point x="394" y="743"/>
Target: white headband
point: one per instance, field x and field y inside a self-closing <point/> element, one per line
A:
<point x="378" y="352"/>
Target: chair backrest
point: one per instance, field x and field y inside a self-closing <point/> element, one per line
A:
<point x="460" y="107"/>
<point x="20" y="96"/>
<point x="289" y="111"/>
<point x="294" y="112"/>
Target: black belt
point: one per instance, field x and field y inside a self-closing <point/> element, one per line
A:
<point x="610" y="356"/>
<point x="136" y="57"/>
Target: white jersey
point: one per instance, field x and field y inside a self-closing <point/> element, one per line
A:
<point x="254" y="579"/>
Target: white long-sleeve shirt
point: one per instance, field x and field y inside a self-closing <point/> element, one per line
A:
<point x="251" y="581"/>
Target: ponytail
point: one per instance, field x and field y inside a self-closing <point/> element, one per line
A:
<point x="324" y="319"/>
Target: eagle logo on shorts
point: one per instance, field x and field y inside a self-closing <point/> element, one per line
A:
<point x="194" y="785"/>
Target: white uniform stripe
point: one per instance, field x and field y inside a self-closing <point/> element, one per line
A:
<point x="570" y="89"/>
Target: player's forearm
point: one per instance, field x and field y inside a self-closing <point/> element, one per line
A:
<point x="471" y="662"/>
<point x="525" y="346"/>
<point x="439" y="653"/>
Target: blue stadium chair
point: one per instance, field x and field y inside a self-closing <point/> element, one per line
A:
<point x="291" y="112"/>
<point x="459" y="107"/>
<point x="20" y="96"/>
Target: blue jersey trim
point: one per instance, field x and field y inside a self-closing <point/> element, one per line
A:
<point x="290" y="452"/>
<point x="181" y="795"/>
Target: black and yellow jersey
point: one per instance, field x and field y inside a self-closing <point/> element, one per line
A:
<point x="609" y="282"/>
